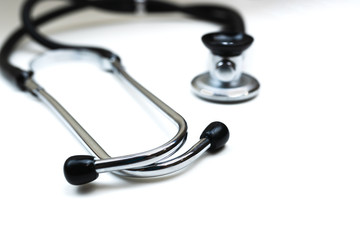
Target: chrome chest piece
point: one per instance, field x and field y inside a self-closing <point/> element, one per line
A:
<point x="225" y="81"/>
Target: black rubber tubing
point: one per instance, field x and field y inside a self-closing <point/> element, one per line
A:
<point x="13" y="73"/>
<point x="230" y="20"/>
<point x="227" y="17"/>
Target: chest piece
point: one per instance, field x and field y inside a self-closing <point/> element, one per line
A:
<point x="225" y="81"/>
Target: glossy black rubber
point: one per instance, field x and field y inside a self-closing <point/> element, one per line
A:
<point x="43" y="40"/>
<point x="80" y="169"/>
<point x="218" y="135"/>
<point x="227" y="44"/>
<point x="227" y="17"/>
<point x="13" y="73"/>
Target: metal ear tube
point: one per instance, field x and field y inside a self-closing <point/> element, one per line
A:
<point x="83" y="169"/>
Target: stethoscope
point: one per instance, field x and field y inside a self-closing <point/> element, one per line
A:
<point x="225" y="82"/>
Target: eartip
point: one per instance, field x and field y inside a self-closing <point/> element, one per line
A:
<point x="218" y="135"/>
<point x="80" y="170"/>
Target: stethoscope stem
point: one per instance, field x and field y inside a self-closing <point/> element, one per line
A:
<point x="67" y="118"/>
<point x="120" y="72"/>
<point x="105" y="163"/>
<point x="151" y="163"/>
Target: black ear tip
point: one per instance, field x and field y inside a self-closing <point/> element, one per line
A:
<point x="80" y="169"/>
<point x="218" y="135"/>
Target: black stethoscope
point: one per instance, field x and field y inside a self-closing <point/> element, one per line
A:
<point x="225" y="82"/>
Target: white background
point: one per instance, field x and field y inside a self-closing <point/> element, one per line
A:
<point x="291" y="169"/>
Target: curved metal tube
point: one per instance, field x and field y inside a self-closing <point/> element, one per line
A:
<point x="152" y="156"/>
<point x="152" y="163"/>
<point x="169" y="166"/>
<point x="107" y="163"/>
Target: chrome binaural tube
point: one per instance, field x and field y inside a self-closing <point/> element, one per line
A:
<point x="151" y="163"/>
